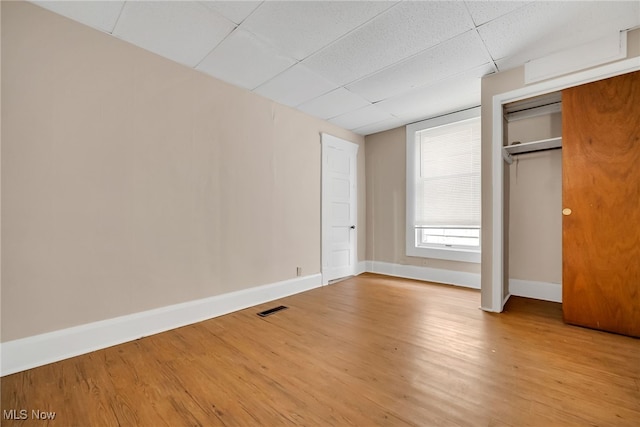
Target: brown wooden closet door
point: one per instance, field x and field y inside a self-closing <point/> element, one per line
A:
<point x="601" y="187"/>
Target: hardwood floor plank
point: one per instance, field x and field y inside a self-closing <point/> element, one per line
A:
<point x="370" y="350"/>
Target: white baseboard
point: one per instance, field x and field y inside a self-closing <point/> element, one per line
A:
<point x="538" y="290"/>
<point x="38" y="350"/>
<point x="428" y="274"/>
<point x="361" y="267"/>
<point x="30" y="352"/>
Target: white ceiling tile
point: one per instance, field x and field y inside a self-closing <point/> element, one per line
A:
<point x="453" y="94"/>
<point x="295" y="86"/>
<point x="244" y="60"/>
<point x="541" y="28"/>
<point x="97" y="14"/>
<point x="387" y="124"/>
<point x="235" y="11"/>
<point x="410" y="56"/>
<point x="400" y="32"/>
<point x="302" y="27"/>
<point x="511" y="62"/>
<point x="365" y="116"/>
<point x="454" y="56"/>
<point x="333" y="104"/>
<point x="182" y="31"/>
<point x="484" y="11"/>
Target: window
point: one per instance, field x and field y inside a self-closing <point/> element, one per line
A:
<point x="443" y="187"/>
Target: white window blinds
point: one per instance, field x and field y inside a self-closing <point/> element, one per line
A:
<point x="447" y="186"/>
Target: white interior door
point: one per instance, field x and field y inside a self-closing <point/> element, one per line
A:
<point x="339" y="208"/>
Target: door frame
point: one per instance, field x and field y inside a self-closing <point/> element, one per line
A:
<point x="493" y="296"/>
<point x="327" y="139"/>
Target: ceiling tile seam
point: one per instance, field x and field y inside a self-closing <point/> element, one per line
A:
<point x="378" y="122"/>
<point x="268" y="43"/>
<point x="358" y="129"/>
<point x="358" y="109"/>
<point x="350" y="31"/>
<point x="428" y="85"/>
<point x="252" y="12"/>
<point x="491" y="59"/>
<point x="245" y="18"/>
<point x="443" y="115"/>
<point x="115" y="24"/>
<point x="469" y="15"/>
<point x="351" y="92"/>
<point x="466" y="6"/>
<point x="350" y="111"/>
<point x="494" y="60"/>
<point x="253" y="89"/>
<point x="523" y="4"/>
<point x="113" y="31"/>
<point x="336" y="85"/>
<point x="235" y="27"/>
<point x="220" y="15"/>
<point x="270" y="79"/>
<point x="405" y="60"/>
<point x="322" y="94"/>
<point x="265" y="41"/>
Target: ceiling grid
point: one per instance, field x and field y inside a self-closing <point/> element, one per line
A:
<point x="364" y="65"/>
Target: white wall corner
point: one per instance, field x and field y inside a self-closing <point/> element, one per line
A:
<point x="38" y="350"/>
<point x="427" y="274"/>
<point x="537" y="290"/>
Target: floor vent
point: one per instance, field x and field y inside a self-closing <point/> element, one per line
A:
<point x="271" y="311"/>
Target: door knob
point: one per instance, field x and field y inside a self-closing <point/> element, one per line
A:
<point x="353" y="227"/>
<point x="566" y="211"/>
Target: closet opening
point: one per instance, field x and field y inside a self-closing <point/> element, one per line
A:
<point x="532" y="141"/>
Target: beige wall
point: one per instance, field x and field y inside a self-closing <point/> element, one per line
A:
<point x="130" y="182"/>
<point x="386" y="206"/>
<point x="0" y="177"/>
<point x="492" y="85"/>
<point x="535" y="203"/>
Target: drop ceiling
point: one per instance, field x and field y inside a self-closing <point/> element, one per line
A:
<point x="366" y="66"/>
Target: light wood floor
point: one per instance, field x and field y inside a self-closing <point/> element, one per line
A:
<point x="367" y="351"/>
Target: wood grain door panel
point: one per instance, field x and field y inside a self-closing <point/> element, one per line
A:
<point x="601" y="187"/>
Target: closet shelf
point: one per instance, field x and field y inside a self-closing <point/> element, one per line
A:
<point x="529" y="147"/>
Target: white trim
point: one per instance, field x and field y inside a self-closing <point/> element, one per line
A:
<point x="38" y="350"/>
<point x="538" y="290"/>
<point x="427" y="274"/>
<point x="462" y="255"/>
<point x="596" y="52"/>
<point x="497" y="166"/>
<point x="534" y="112"/>
<point x="361" y="267"/>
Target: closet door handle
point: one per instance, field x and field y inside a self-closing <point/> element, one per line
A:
<point x="566" y="211"/>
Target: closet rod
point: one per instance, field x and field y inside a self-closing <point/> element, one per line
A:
<point x="529" y="147"/>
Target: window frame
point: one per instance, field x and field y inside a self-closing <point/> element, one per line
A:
<point x="447" y="253"/>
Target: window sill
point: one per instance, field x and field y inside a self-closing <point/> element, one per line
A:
<point x="461" y="255"/>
